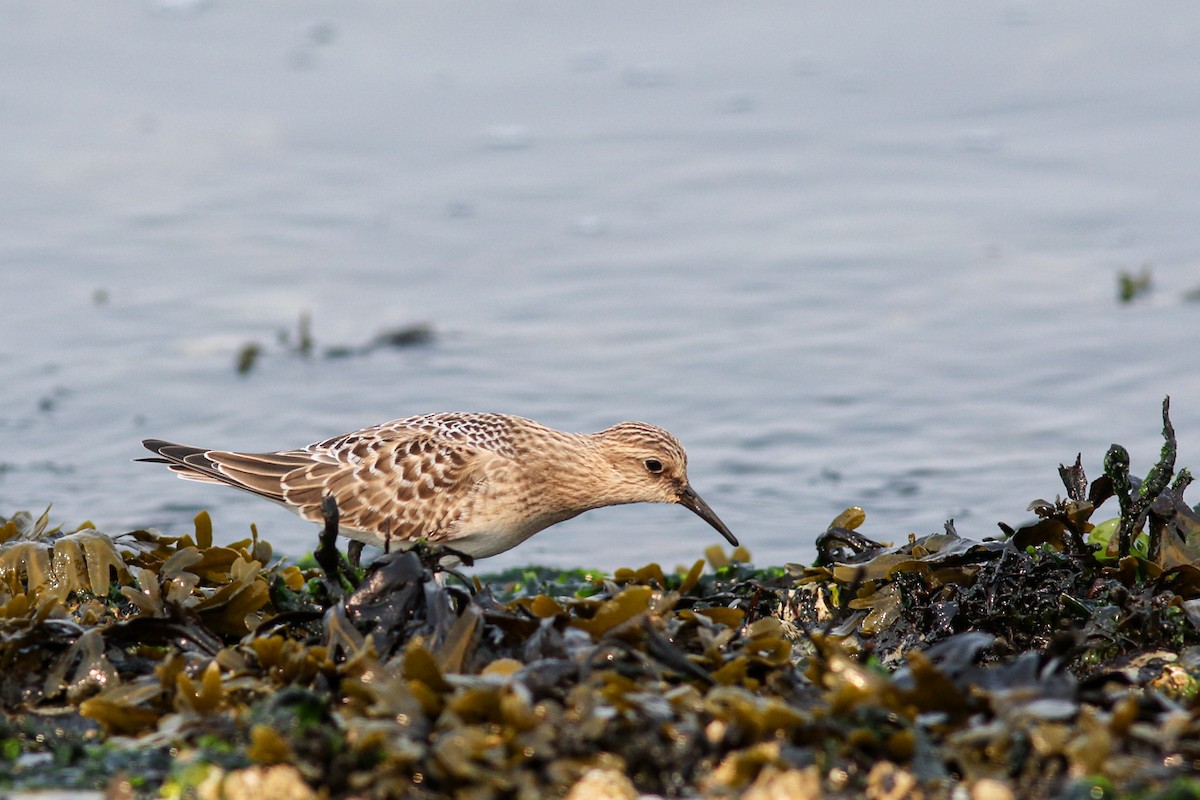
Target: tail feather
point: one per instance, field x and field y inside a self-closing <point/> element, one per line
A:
<point x="259" y="474"/>
<point x="182" y="458"/>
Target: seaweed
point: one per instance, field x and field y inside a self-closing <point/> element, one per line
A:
<point x="1060" y="658"/>
<point x="303" y="345"/>
<point x="1131" y="286"/>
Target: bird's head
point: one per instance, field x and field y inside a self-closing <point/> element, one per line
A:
<point x="651" y="467"/>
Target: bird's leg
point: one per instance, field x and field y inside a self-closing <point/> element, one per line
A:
<point x="439" y="557"/>
<point x="450" y="568"/>
<point x="439" y="560"/>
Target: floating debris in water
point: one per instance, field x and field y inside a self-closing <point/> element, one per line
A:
<point x="1130" y="286"/>
<point x="405" y="336"/>
<point x="247" y="357"/>
<point x="304" y="345"/>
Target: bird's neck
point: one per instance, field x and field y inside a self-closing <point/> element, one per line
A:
<point x="578" y="478"/>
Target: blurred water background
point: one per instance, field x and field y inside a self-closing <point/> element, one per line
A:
<point x="851" y="255"/>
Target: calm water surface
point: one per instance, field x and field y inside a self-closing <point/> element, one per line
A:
<point x="849" y="257"/>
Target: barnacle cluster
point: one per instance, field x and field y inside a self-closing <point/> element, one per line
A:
<point x="1061" y="658"/>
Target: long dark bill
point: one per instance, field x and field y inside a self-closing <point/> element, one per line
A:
<point x="689" y="499"/>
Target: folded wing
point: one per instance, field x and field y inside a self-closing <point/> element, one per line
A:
<point x="397" y="485"/>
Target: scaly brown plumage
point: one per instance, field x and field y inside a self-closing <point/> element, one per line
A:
<point x="479" y="483"/>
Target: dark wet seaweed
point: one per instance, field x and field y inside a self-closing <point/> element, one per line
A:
<point x="1061" y="659"/>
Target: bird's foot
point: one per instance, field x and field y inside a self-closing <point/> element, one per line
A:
<point x="438" y="558"/>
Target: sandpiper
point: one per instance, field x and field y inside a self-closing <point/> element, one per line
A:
<point x="477" y="483"/>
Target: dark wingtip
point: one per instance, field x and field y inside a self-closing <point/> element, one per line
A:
<point x="169" y="452"/>
<point x="155" y="446"/>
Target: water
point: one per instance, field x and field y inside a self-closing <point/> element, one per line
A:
<point x="850" y="257"/>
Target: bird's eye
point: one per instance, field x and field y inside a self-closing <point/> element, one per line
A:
<point x="654" y="465"/>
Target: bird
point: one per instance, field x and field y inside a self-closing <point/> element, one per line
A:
<point x="480" y="483"/>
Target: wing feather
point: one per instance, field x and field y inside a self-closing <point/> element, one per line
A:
<point x="393" y="482"/>
<point x="399" y="487"/>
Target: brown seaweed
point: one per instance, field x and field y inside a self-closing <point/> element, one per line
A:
<point x="1049" y="662"/>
